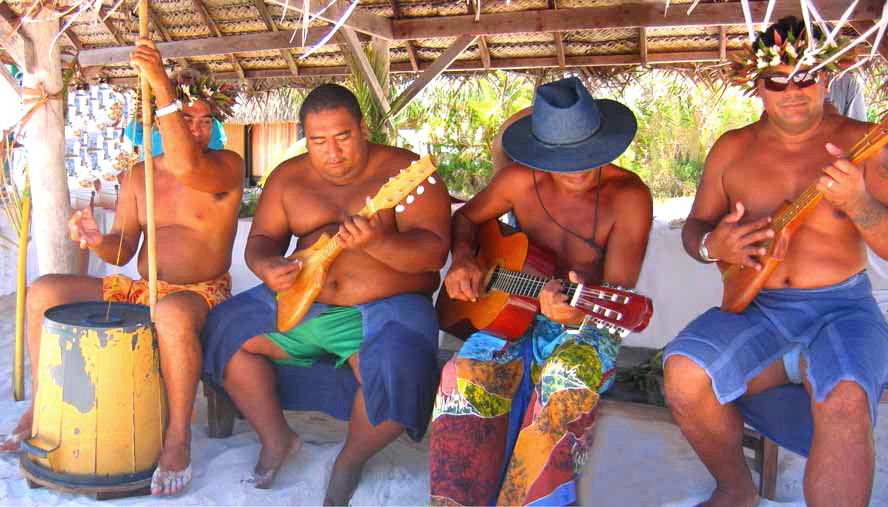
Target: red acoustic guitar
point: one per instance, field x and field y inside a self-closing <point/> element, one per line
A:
<point x="515" y="271"/>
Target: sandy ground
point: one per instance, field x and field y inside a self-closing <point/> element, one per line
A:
<point x="634" y="463"/>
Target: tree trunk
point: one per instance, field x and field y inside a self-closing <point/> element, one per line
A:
<point x="45" y="144"/>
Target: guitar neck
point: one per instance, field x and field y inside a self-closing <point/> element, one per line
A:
<point x="867" y="146"/>
<point x="519" y="283"/>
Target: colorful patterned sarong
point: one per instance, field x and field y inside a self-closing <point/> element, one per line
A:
<point x="123" y="289"/>
<point x="513" y="421"/>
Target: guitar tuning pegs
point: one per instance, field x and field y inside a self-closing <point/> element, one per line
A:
<point x="410" y="199"/>
<point x="599" y="324"/>
<point x="623" y="333"/>
<point x="611" y="329"/>
<point x="399" y="208"/>
<point x="432" y="180"/>
<point x="420" y="189"/>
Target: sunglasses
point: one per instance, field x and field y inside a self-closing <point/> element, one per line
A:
<point x="778" y="83"/>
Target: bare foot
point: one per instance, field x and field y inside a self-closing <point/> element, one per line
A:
<point x="12" y="441"/>
<point x="722" y="498"/>
<point x="270" y="461"/>
<point x="173" y="471"/>
<point x="343" y="482"/>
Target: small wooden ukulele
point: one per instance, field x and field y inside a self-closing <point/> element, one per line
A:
<point x="741" y="283"/>
<point x="316" y="259"/>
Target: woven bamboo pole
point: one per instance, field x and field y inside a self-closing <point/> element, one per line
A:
<point x="150" y="237"/>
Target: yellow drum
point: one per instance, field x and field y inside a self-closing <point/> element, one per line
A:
<point x="100" y="407"/>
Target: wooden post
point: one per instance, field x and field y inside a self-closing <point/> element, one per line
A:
<point x="150" y="229"/>
<point x="45" y="145"/>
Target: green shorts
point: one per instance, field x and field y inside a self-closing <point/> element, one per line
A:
<point x="338" y="331"/>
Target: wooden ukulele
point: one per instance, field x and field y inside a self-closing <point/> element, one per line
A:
<point x="515" y="271"/>
<point x="316" y="259"/>
<point x="741" y="283"/>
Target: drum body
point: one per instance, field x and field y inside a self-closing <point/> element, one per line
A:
<point x="100" y="406"/>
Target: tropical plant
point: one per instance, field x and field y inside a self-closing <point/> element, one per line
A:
<point x="679" y="119"/>
<point x="466" y="113"/>
<point x="375" y="119"/>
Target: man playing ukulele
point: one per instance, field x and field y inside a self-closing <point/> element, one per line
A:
<point x="374" y="312"/>
<point x="568" y="198"/>
<point x="815" y="322"/>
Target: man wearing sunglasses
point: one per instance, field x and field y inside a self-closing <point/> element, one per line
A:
<point x="815" y="323"/>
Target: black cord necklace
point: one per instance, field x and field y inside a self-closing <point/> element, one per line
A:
<point x="590" y="242"/>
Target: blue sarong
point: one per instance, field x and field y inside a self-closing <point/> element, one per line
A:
<point x="842" y="335"/>
<point x="398" y="358"/>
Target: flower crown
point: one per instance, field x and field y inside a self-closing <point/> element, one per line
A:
<point x="192" y="85"/>
<point x="771" y="49"/>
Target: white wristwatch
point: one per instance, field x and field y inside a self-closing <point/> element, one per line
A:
<point x="172" y="107"/>
<point x="703" y="252"/>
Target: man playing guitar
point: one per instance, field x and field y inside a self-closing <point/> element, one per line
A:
<point x="500" y="403"/>
<point x="815" y="322"/>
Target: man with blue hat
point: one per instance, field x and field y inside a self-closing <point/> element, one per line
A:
<point x="513" y="420"/>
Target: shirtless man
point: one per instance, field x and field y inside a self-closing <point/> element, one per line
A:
<point x="569" y="198"/>
<point x="387" y="271"/>
<point x="197" y="196"/>
<point x="815" y="322"/>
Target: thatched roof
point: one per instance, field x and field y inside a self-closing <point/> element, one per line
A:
<point x="249" y="40"/>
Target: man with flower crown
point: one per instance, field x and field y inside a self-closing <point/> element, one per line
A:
<point x="197" y="197"/>
<point x="814" y="324"/>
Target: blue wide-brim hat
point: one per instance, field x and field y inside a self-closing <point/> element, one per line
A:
<point x="569" y="131"/>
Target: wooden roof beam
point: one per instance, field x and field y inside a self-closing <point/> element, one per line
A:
<point x="411" y="53"/>
<point x="155" y="20"/>
<point x="722" y="43"/>
<point x="484" y="51"/>
<point x="436" y="68"/>
<point x="106" y="22"/>
<point x="73" y="39"/>
<point x="209" y="46"/>
<point x="634" y="15"/>
<point x="861" y="27"/>
<point x="359" y="20"/>
<point x="558" y="38"/>
<point x="14" y="41"/>
<point x="643" y="45"/>
<point x="271" y="25"/>
<point x="214" y="29"/>
<point x="559" y="48"/>
<point x="477" y="65"/>
<point x="354" y="48"/>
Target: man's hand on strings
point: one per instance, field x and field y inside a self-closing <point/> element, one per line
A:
<point x="842" y="183"/>
<point x="554" y="303"/>
<point x="357" y="232"/>
<point x="147" y="61"/>
<point x="463" y="279"/>
<point x="278" y="273"/>
<point x="83" y="229"/>
<point x="739" y="244"/>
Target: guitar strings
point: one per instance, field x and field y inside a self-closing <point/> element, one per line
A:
<point x="508" y="279"/>
<point x="518" y="282"/>
<point x="810" y="193"/>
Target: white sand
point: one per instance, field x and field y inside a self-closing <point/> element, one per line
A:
<point x="634" y="463"/>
